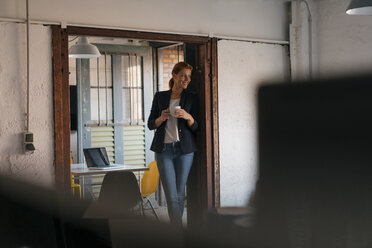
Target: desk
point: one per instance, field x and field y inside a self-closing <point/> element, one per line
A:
<point x="81" y="170"/>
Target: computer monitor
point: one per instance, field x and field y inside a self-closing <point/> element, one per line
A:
<point x="315" y="164"/>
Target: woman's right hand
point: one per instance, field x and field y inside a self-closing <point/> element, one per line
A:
<point x="163" y="117"/>
<point x="165" y="114"/>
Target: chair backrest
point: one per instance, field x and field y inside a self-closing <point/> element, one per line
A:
<point x="121" y="189"/>
<point x="150" y="180"/>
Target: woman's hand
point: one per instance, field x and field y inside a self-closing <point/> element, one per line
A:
<point x="165" y="114"/>
<point x="181" y="113"/>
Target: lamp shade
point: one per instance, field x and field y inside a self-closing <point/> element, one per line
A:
<point x="359" y="7"/>
<point x="83" y="50"/>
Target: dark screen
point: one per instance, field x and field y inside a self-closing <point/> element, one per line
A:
<point x="96" y="157"/>
<point x="73" y="107"/>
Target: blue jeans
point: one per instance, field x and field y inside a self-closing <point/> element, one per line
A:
<point x="174" y="168"/>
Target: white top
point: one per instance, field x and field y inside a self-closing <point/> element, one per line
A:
<point x="171" y="128"/>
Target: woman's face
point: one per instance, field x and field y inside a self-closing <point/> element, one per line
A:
<point x="182" y="78"/>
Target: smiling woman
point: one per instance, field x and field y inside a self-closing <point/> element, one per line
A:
<point x="174" y="142"/>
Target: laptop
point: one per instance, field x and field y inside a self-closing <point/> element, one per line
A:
<point x="97" y="159"/>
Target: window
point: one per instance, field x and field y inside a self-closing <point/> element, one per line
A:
<point x="111" y="89"/>
<point x="133" y="112"/>
<point x="132" y="89"/>
<point x="101" y="105"/>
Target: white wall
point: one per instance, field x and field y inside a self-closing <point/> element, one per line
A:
<point x="37" y="167"/>
<point x="266" y="19"/>
<point x="254" y="18"/>
<point x="344" y="41"/>
<point x="242" y="66"/>
<point x="303" y="39"/>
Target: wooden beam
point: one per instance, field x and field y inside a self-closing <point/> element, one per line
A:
<point x="136" y="35"/>
<point x="61" y="109"/>
<point x="206" y="127"/>
<point x="194" y="185"/>
<point x="216" y="155"/>
<point x="58" y="105"/>
<point x="66" y="114"/>
<point x="200" y="189"/>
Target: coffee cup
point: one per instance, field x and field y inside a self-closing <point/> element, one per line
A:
<point x="174" y="110"/>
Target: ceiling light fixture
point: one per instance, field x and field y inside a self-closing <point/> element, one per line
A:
<point x="83" y="50"/>
<point x="359" y="7"/>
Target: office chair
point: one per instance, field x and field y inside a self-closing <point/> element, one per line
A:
<point x="119" y="195"/>
<point x="149" y="184"/>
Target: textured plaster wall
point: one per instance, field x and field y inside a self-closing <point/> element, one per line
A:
<point x="37" y="167"/>
<point x="303" y="39"/>
<point x="344" y="42"/>
<point x="220" y="17"/>
<point x="242" y="66"/>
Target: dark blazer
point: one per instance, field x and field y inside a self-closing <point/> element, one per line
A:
<point x="188" y="102"/>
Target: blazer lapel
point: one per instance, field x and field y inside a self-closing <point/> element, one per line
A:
<point x="167" y="98"/>
<point x="183" y="99"/>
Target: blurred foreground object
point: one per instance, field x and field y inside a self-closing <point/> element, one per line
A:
<point x="315" y="164"/>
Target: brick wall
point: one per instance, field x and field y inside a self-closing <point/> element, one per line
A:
<point x="171" y="56"/>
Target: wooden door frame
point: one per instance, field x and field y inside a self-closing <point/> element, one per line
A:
<point x="206" y="176"/>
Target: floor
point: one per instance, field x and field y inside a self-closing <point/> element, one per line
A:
<point x="162" y="213"/>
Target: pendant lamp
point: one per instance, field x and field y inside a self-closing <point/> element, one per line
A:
<point x="359" y="7"/>
<point x="83" y="50"/>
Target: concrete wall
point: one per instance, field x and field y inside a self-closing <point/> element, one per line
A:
<point x="254" y="18"/>
<point x="344" y="41"/>
<point x="37" y="167"/>
<point x="303" y="49"/>
<point x="242" y="66"/>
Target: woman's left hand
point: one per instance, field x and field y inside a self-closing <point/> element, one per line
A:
<point x="181" y="113"/>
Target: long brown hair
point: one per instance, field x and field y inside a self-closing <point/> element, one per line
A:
<point x="177" y="68"/>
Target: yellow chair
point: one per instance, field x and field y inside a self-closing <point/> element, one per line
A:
<point x="149" y="184"/>
<point x="75" y="188"/>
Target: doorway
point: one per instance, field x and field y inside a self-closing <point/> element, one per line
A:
<point x="110" y="97"/>
<point x="200" y="52"/>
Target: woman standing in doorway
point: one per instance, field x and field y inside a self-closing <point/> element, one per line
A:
<point x="174" y="115"/>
